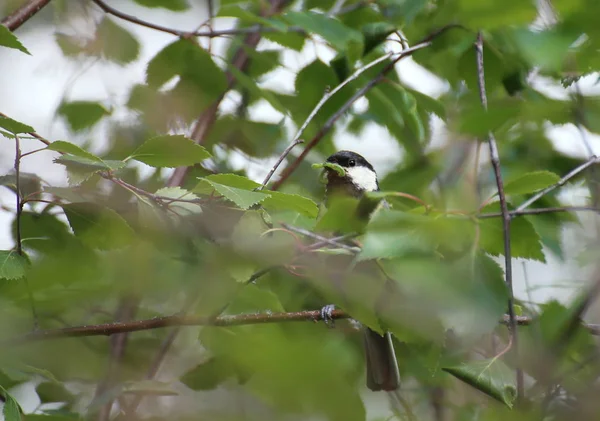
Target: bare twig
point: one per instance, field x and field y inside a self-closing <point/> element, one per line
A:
<point x="108" y="329"/>
<point x="279" y="161"/>
<point x="540" y="211"/>
<point x="23" y="14"/>
<point x="19" y="211"/>
<point x="18" y="193"/>
<point x="329" y="123"/>
<point x="188" y="34"/>
<point x="320" y="238"/>
<point x="506" y="217"/>
<point x="593" y="160"/>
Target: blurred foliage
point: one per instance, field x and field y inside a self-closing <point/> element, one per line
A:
<point x="219" y="243"/>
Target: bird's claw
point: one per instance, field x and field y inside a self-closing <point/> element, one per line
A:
<point x="327" y="315"/>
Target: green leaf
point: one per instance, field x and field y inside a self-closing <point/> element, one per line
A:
<point x="8" y="39"/>
<point x="174" y="5"/>
<point x="242" y="198"/>
<point x="486" y="15"/>
<point x="14" y="126"/>
<point x="294" y="202"/>
<point x="81" y="168"/>
<point x="72" y="149"/>
<point x="208" y="375"/>
<point x="12" y="265"/>
<point x="375" y="33"/>
<point x="491" y="377"/>
<point x="231" y="180"/>
<point x="525" y="241"/>
<point x="115" y="43"/>
<point x="170" y="151"/>
<point x="332" y="30"/>
<point x="180" y="208"/>
<point x="530" y="182"/>
<point x="82" y="115"/>
<point x="12" y="411"/>
<point x="184" y="58"/>
<point x="97" y="226"/>
<point x="29" y="183"/>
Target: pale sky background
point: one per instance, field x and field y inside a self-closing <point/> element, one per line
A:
<point x="32" y="87"/>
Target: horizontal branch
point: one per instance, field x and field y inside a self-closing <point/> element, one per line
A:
<point x="23" y="14"/>
<point x="539" y="211"/>
<point x="108" y="329"/>
<point x="189" y="34"/>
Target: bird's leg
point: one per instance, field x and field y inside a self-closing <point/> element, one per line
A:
<point x="326" y="315"/>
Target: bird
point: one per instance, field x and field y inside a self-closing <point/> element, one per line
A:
<point x="358" y="178"/>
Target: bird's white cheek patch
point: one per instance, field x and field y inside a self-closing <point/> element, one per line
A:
<point x="363" y="178"/>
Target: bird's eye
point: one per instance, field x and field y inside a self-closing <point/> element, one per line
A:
<point x="351" y="163"/>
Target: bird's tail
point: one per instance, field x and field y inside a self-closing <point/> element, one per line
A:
<point x="382" y="367"/>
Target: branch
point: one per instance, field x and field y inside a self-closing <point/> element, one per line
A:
<point x="279" y="161"/>
<point x="593" y="160"/>
<point x="23" y="14"/>
<point x="189" y="34"/>
<point x="208" y="117"/>
<point x="540" y="211"/>
<point x="329" y="123"/>
<point x="108" y="329"/>
<point x="506" y="217"/>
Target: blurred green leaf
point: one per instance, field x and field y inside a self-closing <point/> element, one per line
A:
<point x="183" y="58"/>
<point x="332" y="30"/>
<point x="525" y="241"/>
<point x="14" y="126"/>
<point x="114" y="43"/>
<point x="486" y="15"/>
<point x="12" y="411"/>
<point x="70" y="148"/>
<point x="242" y="198"/>
<point x="286" y="201"/>
<point x="208" y="375"/>
<point x="30" y="184"/>
<point x="53" y="392"/>
<point x="174" y="5"/>
<point x="170" y="151"/>
<point x="8" y="39"/>
<point x="491" y="377"/>
<point x="530" y="182"/>
<point x="82" y="115"/>
<point x="13" y="265"/>
<point x="98" y="226"/>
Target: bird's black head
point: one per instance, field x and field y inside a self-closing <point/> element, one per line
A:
<point x="359" y="175"/>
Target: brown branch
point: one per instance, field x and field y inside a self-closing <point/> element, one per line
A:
<point x="506" y="217"/>
<point x="126" y="311"/>
<point x="23" y="14"/>
<point x="108" y="329"/>
<point x="189" y="34"/>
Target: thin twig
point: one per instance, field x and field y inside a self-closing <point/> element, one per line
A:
<point x="540" y="211"/>
<point x="279" y="161"/>
<point x="19" y="211"/>
<point x="329" y="123"/>
<point x="18" y="193"/>
<point x="108" y="329"/>
<point x="23" y="14"/>
<point x="593" y="160"/>
<point x="320" y="238"/>
<point x="189" y="34"/>
<point x="506" y="217"/>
